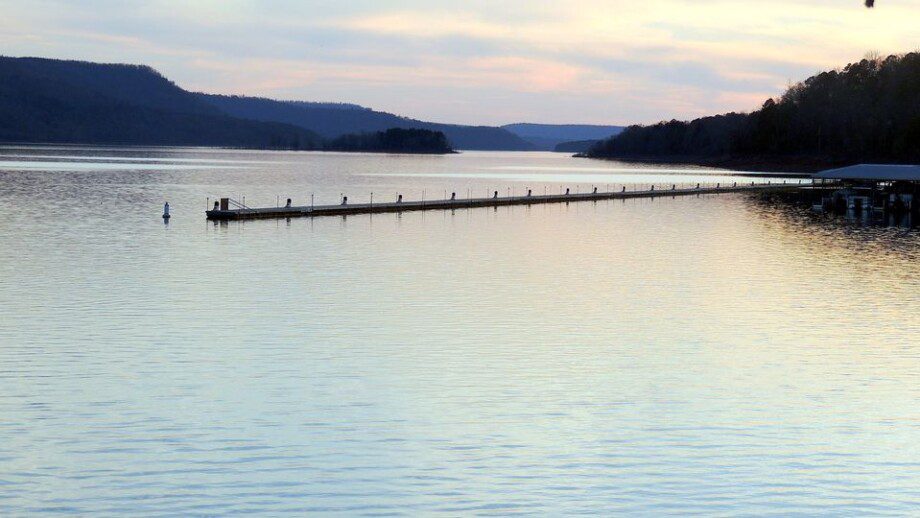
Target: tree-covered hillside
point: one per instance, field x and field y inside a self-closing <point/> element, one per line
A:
<point x="331" y="121"/>
<point x="868" y="111"/>
<point x="45" y="100"/>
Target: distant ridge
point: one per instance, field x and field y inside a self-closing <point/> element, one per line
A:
<point x="331" y="121"/>
<point x="548" y="136"/>
<point x="575" y="146"/>
<point x="48" y="100"/>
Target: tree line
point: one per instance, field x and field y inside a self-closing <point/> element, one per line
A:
<point x="393" y="140"/>
<point x="868" y="111"/>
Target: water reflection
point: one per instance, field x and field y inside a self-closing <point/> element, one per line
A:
<point x="716" y="354"/>
<point x="866" y="238"/>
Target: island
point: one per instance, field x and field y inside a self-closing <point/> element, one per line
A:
<point x="393" y="140"/>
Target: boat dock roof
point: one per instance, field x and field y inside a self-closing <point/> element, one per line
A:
<point x="873" y="173"/>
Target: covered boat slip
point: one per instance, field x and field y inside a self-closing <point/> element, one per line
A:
<point x="873" y="173"/>
<point x="882" y="188"/>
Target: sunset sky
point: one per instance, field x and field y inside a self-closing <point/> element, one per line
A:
<point x="477" y="62"/>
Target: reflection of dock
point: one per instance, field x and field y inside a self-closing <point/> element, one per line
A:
<point x="223" y="210"/>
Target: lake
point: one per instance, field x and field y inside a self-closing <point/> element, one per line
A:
<point x="714" y="355"/>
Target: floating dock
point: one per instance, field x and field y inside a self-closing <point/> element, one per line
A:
<point x="223" y="210"/>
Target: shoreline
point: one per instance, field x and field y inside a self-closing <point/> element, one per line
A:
<point x="790" y="167"/>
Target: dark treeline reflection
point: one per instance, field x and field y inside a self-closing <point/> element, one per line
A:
<point x="869" y="111"/>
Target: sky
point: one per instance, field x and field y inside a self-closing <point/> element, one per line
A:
<point x="476" y="62"/>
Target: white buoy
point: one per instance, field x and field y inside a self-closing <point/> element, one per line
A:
<point x="166" y="210"/>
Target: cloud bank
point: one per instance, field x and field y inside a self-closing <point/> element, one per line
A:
<point x="476" y="62"/>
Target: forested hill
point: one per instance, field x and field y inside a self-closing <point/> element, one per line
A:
<point x="45" y="100"/>
<point x="332" y="121"/>
<point x="867" y="112"/>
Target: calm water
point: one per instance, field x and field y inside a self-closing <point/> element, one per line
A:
<point x="712" y="355"/>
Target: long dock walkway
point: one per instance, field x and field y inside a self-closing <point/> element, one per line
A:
<point x="347" y="209"/>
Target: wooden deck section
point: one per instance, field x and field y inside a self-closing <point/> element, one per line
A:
<point x="405" y="206"/>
